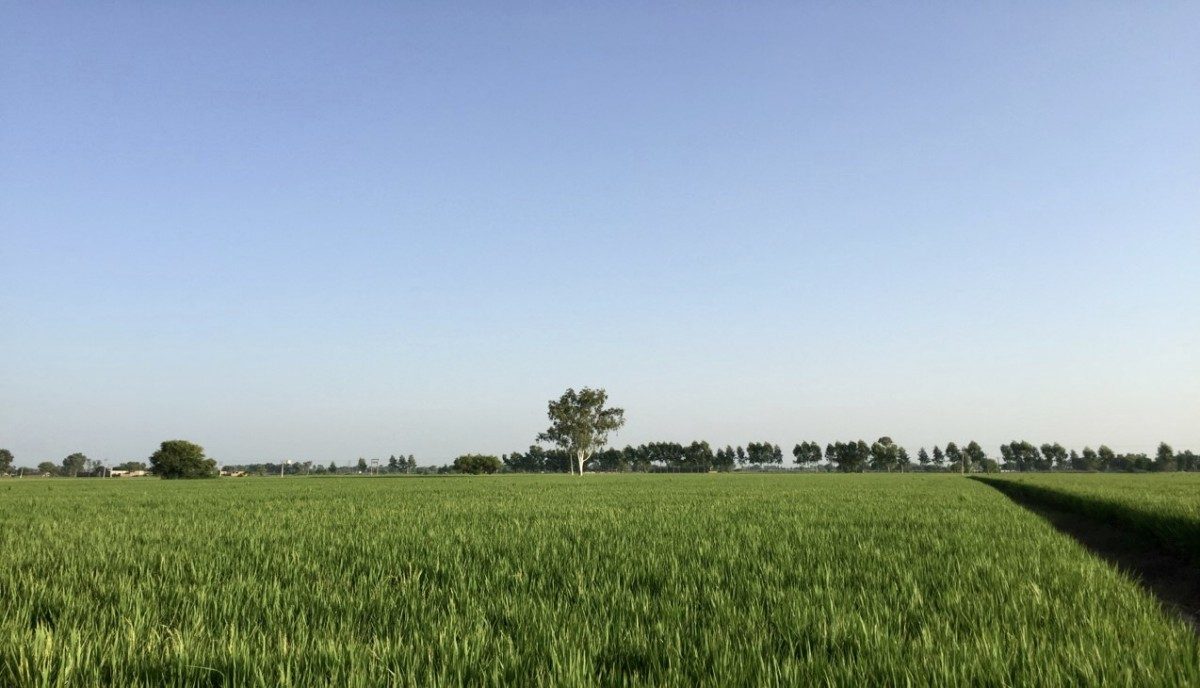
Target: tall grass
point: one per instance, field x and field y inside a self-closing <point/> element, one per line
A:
<point x="553" y="581"/>
<point x="1165" y="506"/>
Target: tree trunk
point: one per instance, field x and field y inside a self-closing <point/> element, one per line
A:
<point x="581" y="460"/>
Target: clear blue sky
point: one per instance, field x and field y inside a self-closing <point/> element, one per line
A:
<point x="351" y="229"/>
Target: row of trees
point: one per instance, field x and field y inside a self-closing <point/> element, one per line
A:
<point x="852" y="456"/>
<point x="697" y="456"/>
<point x="76" y="465"/>
<point x="174" y="459"/>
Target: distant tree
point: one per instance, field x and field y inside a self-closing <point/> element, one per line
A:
<point x="741" y="456"/>
<point x="885" y="455"/>
<point x="699" y="456"/>
<point x="48" y="468"/>
<point x="476" y="464"/>
<point x="6" y="460"/>
<point x="903" y="459"/>
<point x="862" y="454"/>
<point x="580" y="423"/>
<point x="182" y="459"/>
<point x="332" y="467"/>
<point x="939" y="457"/>
<point x="807" y="454"/>
<point x="1054" y="455"/>
<point x="1089" y="460"/>
<point x="73" y="464"/>
<point x="1075" y="461"/>
<point x="974" y="457"/>
<point x="1022" y="456"/>
<point x="1164" y="458"/>
<point x="362" y="465"/>
<point x="411" y="464"/>
<point x="923" y="457"/>
<point x="849" y="457"/>
<point x="725" y="459"/>
<point x="759" y="453"/>
<point x="1187" y="461"/>
<point x="130" y="466"/>
<point x="777" y="455"/>
<point x="954" y="456"/>
<point x="1106" y="457"/>
<point x="393" y="464"/>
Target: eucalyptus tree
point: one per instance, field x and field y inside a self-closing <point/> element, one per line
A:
<point x="923" y="457"/>
<point x="580" y="423"/>
<point x="974" y="455"/>
<point x="74" y="463"/>
<point x="939" y="457"/>
<point x="1105" y="457"/>
<point x="1054" y="455"/>
<point x="1164" y="459"/>
<point x="954" y="456"/>
<point x="807" y="454"/>
<point x="1089" y="459"/>
<point x="885" y="454"/>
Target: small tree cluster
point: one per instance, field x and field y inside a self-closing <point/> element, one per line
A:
<point x="476" y="464"/>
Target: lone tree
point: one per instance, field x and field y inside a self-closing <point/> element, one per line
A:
<point x="580" y="423"/>
<point x="182" y="459"/>
<point x="6" y="459"/>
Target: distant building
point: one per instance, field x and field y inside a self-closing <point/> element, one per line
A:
<point x="116" y="473"/>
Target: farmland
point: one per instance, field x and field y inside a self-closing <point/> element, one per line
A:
<point x="1163" y="506"/>
<point x="553" y="580"/>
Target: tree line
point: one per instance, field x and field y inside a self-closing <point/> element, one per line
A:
<point x="882" y="455"/>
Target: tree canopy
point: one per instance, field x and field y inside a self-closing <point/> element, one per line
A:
<point x="182" y="459"/>
<point x="580" y="423"/>
<point x="476" y="464"/>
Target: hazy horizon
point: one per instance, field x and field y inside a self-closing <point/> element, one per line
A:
<point x="318" y="233"/>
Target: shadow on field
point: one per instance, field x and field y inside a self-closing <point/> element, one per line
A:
<point x="1169" y="575"/>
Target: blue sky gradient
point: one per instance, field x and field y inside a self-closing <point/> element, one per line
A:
<point x="324" y="231"/>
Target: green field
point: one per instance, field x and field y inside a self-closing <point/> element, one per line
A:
<point x="560" y="581"/>
<point x="1165" y="506"/>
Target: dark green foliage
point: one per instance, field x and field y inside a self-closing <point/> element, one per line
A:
<point x="477" y="464"/>
<point x="1022" y="456"/>
<point x="974" y="456"/>
<point x="807" y="453"/>
<point x="1054" y="455"/>
<point x="1165" y="458"/>
<point x="182" y="459"/>
<point x="849" y="457"/>
<point x="580" y="423"/>
<point x="74" y="464"/>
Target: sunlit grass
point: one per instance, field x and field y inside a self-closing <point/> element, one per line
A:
<point x="553" y="580"/>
